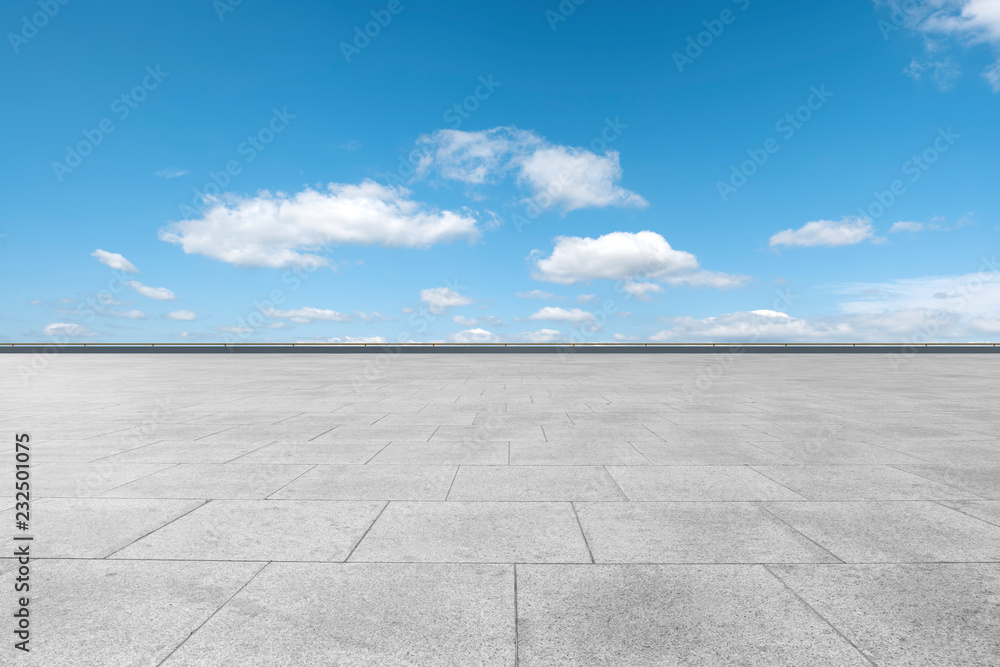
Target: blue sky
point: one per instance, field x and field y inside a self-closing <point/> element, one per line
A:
<point x="535" y="171"/>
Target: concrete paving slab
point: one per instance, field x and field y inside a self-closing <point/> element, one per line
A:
<point x="819" y="452"/>
<point x="261" y="530"/>
<point x="893" y="531"/>
<point x="489" y="431"/>
<point x="698" y="483"/>
<point x="707" y="453"/>
<point x="982" y="480"/>
<point x="362" y="615"/>
<point x="371" y="482"/>
<point x="77" y="480"/>
<point x="474" y="532"/>
<point x="903" y="615"/>
<point x="363" y="433"/>
<point x="858" y="482"/>
<point x="315" y="452"/>
<point x="652" y="615"/>
<point x="211" y="480"/>
<point x="534" y="483"/>
<point x="443" y="453"/>
<point x="692" y="532"/>
<point x="574" y="454"/>
<point x="986" y="510"/>
<point x="95" y="527"/>
<point x="100" y="613"/>
<point x="184" y="451"/>
<point x="77" y="451"/>
<point x="958" y="452"/>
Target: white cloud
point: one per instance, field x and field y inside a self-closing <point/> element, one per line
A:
<point x="715" y="279"/>
<point x="639" y="290"/>
<point x="114" y="260"/>
<point x="373" y="316"/>
<point x="124" y="314"/>
<point x="473" y="336"/>
<point x="575" y="178"/>
<point x="562" y="315"/>
<point x="64" y="330"/>
<point x="623" y="337"/>
<point x="536" y="294"/>
<point x="307" y="315"/>
<point x="754" y="326"/>
<point x="439" y="299"/>
<point x="907" y="227"/>
<point x="542" y="336"/>
<point x="849" y="231"/>
<point x="463" y="321"/>
<point x="357" y="339"/>
<point x="158" y="293"/>
<point x="171" y="173"/>
<point x="965" y="22"/>
<point x="557" y="176"/>
<point x="614" y="256"/>
<point x="937" y="224"/>
<point x="913" y="310"/>
<point x="185" y="315"/>
<point x="278" y="230"/>
<point x="492" y="320"/>
<point x="586" y="298"/>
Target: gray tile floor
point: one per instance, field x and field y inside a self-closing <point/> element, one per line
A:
<point x="506" y="509"/>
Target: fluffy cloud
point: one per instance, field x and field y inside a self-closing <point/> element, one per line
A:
<point x="639" y="290"/>
<point x="157" y="293"/>
<point x="754" y="326"/>
<point x="306" y="315"/>
<point x="554" y="314"/>
<point x="473" y="336"/>
<point x="124" y="314"/>
<point x="542" y="336"/>
<point x="373" y="316"/>
<point x="624" y="256"/>
<point x="439" y="299"/>
<point x="556" y="176"/>
<point x="848" y="231"/>
<point x="114" y="260"/>
<point x="185" y="315"/>
<point x="171" y="173"/>
<point x="64" y="330"/>
<point x="942" y="23"/>
<point x="536" y="294"/>
<point x="278" y="230"/>
<point x="931" y="309"/>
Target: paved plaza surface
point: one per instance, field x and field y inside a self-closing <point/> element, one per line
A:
<point x="506" y="509"/>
